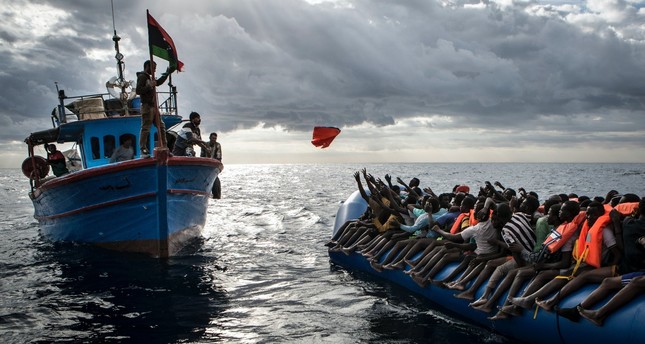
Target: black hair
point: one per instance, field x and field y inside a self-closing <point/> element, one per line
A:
<point x="469" y="201"/>
<point x="641" y="206"/>
<point x="193" y="115"/>
<point x="532" y="203"/>
<point x="564" y="197"/>
<point x="629" y="198"/>
<point x="583" y="198"/>
<point x="572" y="206"/>
<point x="435" y="204"/>
<point x="596" y="205"/>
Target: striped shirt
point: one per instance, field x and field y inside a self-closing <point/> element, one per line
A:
<point x="519" y="230"/>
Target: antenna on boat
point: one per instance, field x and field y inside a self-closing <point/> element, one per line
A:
<point x="126" y="93"/>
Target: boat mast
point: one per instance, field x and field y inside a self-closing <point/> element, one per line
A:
<point x="123" y="96"/>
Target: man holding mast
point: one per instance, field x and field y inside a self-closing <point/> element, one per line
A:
<point x="146" y="89"/>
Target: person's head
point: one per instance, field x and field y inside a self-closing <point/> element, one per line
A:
<point x="569" y="211"/>
<point x="584" y="204"/>
<point x="583" y="198"/>
<point x="396" y="189"/>
<point x="572" y="195"/>
<point x="127" y="143"/>
<point x="501" y="215"/>
<point x="414" y="182"/>
<point x="641" y="207"/>
<point x="629" y="198"/>
<point x="195" y="118"/>
<point x="444" y="200"/>
<point x="51" y="148"/>
<point x="479" y="204"/>
<point x="213" y="137"/>
<point x="534" y="194"/>
<point x="459" y="197"/>
<point x="554" y="199"/>
<point x="564" y="197"/>
<point x="610" y="195"/>
<point x="509" y="193"/>
<point x="467" y="204"/>
<point x="553" y="216"/>
<point x="529" y="205"/>
<point x="149" y="66"/>
<point x="431" y="206"/>
<point x="594" y="211"/>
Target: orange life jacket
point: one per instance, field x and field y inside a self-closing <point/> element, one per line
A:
<point x="472" y="218"/>
<point x="589" y="245"/>
<point x="456" y="227"/>
<point x="627" y="209"/>
<point x="565" y="231"/>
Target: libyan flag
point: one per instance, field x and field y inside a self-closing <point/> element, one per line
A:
<point x="161" y="44"/>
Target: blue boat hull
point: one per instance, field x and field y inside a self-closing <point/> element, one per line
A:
<point x="625" y="325"/>
<point x="153" y="206"/>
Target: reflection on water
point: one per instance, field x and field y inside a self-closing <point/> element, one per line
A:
<point x="102" y="295"/>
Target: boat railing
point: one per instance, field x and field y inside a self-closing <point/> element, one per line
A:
<point x="105" y="105"/>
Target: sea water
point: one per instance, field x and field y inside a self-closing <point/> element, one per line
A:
<point x="261" y="273"/>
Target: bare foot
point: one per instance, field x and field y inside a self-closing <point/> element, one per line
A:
<point x="522" y="302"/>
<point x="347" y="251"/>
<point x="478" y="303"/>
<point x="465" y="296"/>
<point x="399" y="265"/>
<point x="486" y="308"/>
<point x="378" y="267"/>
<point x="591" y="316"/>
<point x="456" y="286"/>
<point x="512" y="310"/>
<point x="499" y="316"/>
<point x="547" y="305"/>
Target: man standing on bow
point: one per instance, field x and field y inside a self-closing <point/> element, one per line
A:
<point x="146" y="90"/>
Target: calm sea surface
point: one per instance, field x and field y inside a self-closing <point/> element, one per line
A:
<point x="261" y="275"/>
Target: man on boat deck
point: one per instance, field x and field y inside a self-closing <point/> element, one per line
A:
<point x="146" y="89"/>
<point x="214" y="151"/>
<point x="56" y="160"/>
<point x="189" y="135"/>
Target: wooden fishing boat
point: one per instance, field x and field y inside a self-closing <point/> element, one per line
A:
<point x="154" y="205"/>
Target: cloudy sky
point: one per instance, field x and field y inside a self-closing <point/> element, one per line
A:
<point x="406" y="81"/>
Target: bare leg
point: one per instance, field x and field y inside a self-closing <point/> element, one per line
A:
<point x="528" y="301"/>
<point x="487" y="271"/>
<point x="629" y="292"/>
<point x="589" y="276"/>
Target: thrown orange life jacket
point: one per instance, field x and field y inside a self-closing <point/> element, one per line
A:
<point x="565" y="231"/>
<point x="589" y="245"/>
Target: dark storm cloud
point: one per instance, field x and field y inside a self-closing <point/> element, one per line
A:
<point x="291" y="64"/>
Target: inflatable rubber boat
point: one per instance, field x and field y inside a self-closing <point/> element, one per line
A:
<point x="626" y="325"/>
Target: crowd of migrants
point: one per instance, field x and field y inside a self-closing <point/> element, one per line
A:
<point x="504" y="238"/>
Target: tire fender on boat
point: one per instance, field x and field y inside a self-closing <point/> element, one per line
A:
<point x="35" y="165"/>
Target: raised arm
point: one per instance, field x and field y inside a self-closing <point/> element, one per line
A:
<point x="357" y="176"/>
